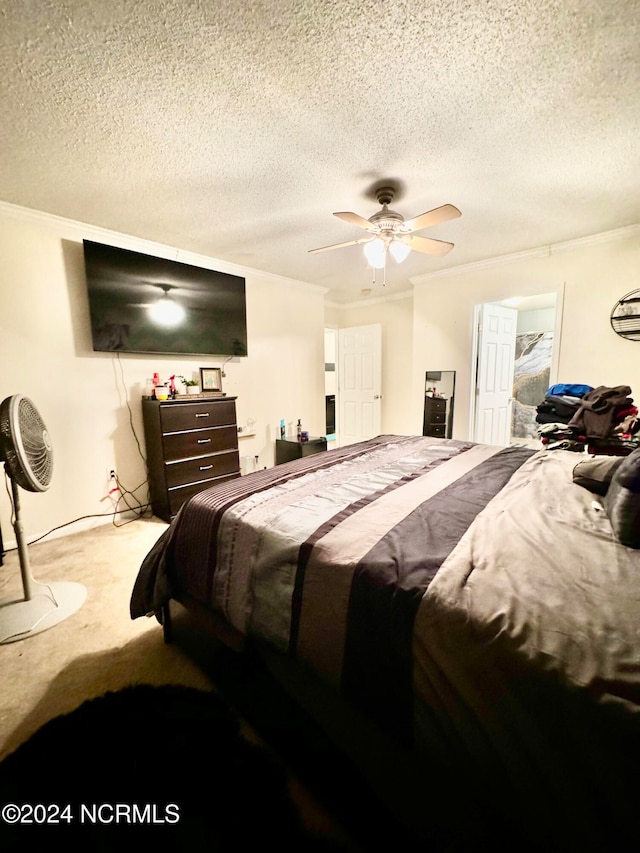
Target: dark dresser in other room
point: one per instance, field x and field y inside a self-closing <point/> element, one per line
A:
<point x="435" y="417"/>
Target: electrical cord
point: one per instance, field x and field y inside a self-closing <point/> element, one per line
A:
<point x="41" y="618"/>
<point x="10" y="494"/>
<point x="126" y="399"/>
<point x="140" y="508"/>
<point x="135" y="436"/>
<point x="126" y="496"/>
<point x="224" y="363"/>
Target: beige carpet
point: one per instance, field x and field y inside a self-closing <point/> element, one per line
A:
<point x="96" y="649"/>
<point x="100" y="648"/>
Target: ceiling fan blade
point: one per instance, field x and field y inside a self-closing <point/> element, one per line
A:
<point x="354" y="219"/>
<point x="340" y="245"/>
<point x="432" y="217"/>
<point x="429" y="246"/>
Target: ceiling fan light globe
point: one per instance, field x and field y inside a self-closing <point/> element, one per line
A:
<point x="375" y="252"/>
<point x="399" y="251"/>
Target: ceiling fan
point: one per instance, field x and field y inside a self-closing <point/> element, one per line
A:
<point x="391" y="233"/>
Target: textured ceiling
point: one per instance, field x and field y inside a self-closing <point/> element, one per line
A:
<point x="235" y="129"/>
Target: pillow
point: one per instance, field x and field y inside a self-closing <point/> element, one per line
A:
<point x="595" y="473"/>
<point x="622" y="500"/>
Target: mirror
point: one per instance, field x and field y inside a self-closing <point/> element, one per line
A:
<point x="439" y="393"/>
<point x="625" y="316"/>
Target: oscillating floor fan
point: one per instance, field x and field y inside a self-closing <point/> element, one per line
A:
<point x="26" y="452"/>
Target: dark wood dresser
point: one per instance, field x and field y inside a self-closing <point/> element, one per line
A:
<point x="435" y="417"/>
<point x="191" y="444"/>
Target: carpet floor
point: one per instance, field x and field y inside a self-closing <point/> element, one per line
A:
<point x="99" y="650"/>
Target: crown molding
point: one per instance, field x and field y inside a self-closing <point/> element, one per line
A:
<point x="74" y="229"/>
<point x="540" y="252"/>
<point x="371" y="300"/>
<point x="595" y="239"/>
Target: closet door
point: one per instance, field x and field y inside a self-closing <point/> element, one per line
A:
<point x="360" y="383"/>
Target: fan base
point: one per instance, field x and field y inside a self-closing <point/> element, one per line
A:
<point x="48" y="606"/>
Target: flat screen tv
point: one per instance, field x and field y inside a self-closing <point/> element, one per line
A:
<point x="143" y="304"/>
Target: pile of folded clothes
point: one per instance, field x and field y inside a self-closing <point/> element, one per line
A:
<point x="603" y="420"/>
<point x="561" y="402"/>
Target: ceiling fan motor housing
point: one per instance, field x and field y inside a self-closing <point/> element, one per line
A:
<point x="387" y="220"/>
<point x="385" y="195"/>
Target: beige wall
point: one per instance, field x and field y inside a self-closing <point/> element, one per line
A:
<point x="434" y="328"/>
<point x="589" y="277"/>
<point x="90" y="401"/>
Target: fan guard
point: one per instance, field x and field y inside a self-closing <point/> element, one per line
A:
<point x="26" y="451"/>
<point x="25" y="439"/>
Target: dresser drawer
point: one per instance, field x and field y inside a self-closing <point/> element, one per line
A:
<point x="202" y="468"/>
<point x="198" y="442"/>
<point x="436" y="404"/>
<point x="437" y="417"/>
<point x="437" y="430"/>
<point x="180" y="494"/>
<point x="206" y="413"/>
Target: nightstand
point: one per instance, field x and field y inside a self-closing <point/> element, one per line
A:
<point x="288" y="449"/>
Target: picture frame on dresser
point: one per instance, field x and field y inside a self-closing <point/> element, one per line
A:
<point x="211" y="380"/>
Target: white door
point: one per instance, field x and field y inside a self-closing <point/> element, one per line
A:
<point x="494" y="383"/>
<point x="359" y="383"/>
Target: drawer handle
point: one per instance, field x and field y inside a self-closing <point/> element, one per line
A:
<point x="204" y="441"/>
<point x="206" y="467"/>
<point x="202" y="414"/>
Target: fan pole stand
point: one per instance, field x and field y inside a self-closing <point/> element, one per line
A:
<point x="43" y="605"/>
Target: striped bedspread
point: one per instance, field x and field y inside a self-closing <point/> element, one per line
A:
<point x="470" y="599"/>
<point x="328" y="557"/>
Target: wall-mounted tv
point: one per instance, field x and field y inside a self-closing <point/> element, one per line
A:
<point x="143" y="304"/>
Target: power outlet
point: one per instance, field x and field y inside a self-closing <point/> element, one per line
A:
<point x="111" y="474"/>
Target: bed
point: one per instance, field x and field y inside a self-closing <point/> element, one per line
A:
<point x="464" y="618"/>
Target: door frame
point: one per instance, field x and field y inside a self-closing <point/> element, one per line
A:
<point x="558" y="291"/>
<point x="336" y="368"/>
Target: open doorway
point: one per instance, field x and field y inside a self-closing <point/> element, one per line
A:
<point x="519" y="375"/>
<point x="330" y="384"/>
<point x="535" y="336"/>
